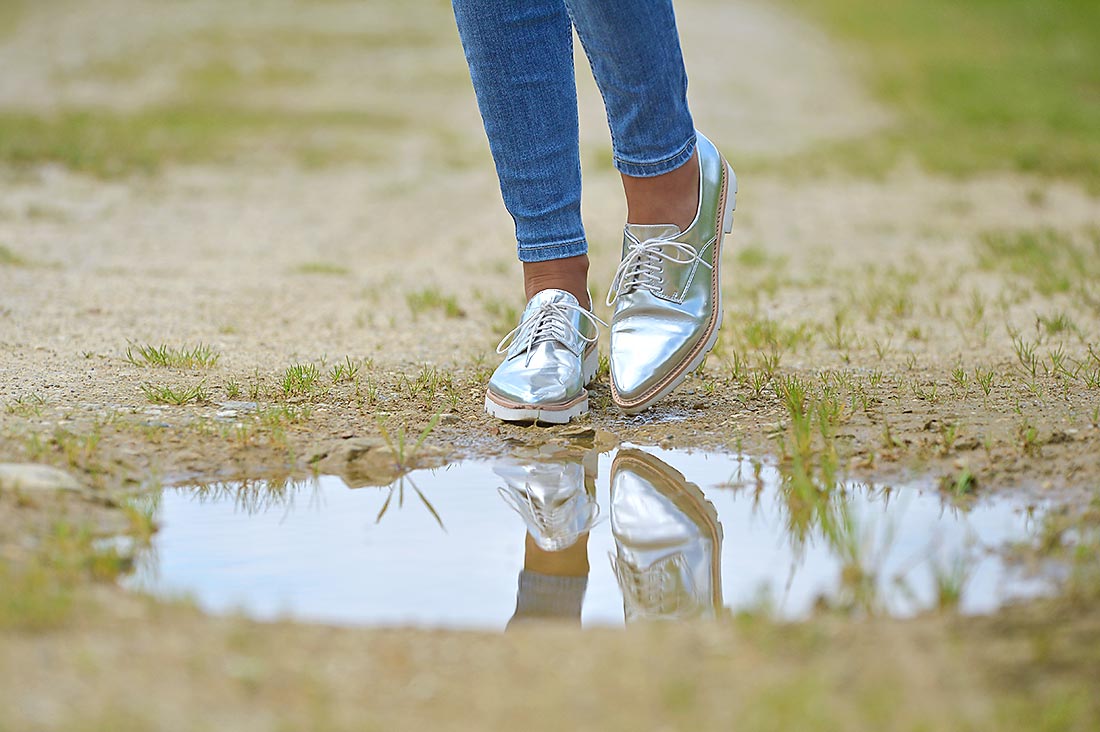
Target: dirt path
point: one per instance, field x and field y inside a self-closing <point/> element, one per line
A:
<point x="274" y="264"/>
<point x="358" y="217"/>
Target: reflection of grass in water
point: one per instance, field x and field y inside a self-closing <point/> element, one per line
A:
<point x="979" y="85"/>
<point x="404" y="457"/>
<point x="398" y="488"/>
<point x="815" y="502"/>
<point x="250" y="496"/>
<point x="861" y="554"/>
<point x="254" y="497"/>
<point x="1072" y="535"/>
<point x="814" y="509"/>
<point x="951" y="577"/>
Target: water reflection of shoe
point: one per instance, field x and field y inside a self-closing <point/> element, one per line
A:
<point x="553" y="498"/>
<point x="667" y="538"/>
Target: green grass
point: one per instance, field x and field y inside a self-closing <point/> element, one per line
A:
<point x="164" y="394"/>
<point x="430" y="298"/>
<point x="8" y="258"/>
<point x="1051" y="260"/>
<point x="38" y="594"/>
<point x="321" y="268"/>
<point x="979" y="85"/>
<point x="197" y="357"/>
<point x="107" y="143"/>
<point x="301" y="379"/>
<point x="11" y="12"/>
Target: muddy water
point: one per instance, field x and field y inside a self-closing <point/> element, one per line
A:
<point x="605" y="539"/>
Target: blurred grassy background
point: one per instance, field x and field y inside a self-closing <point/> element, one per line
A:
<point x="979" y="84"/>
<point x="976" y="85"/>
<point x="315" y="82"/>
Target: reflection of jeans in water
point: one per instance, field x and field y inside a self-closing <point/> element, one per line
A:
<point x="520" y="54"/>
<point x="545" y="597"/>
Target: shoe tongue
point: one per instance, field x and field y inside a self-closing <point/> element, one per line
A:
<point x="643" y="232"/>
<point x="544" y="297"/>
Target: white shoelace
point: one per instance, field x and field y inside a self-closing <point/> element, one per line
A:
<point x="642" y="267"/>
<point x="552" y="522"/>
<point x="653" y="592"/>
<point x="549" y="323"/>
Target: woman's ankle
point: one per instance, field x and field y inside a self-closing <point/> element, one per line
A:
<point x="672" y="198"/>
<point x="569" y="274"/>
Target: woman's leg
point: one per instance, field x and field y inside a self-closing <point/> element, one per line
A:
<point x="521" y="62"/>
<point x="679" y="188"/>
<point x="634" y="49"/>
<point x="520" y="54"/>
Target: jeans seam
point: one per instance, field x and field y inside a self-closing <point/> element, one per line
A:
<point x="592" y="69"/>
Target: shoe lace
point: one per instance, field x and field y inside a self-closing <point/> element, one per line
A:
<point x="550" y="322"/>
<point x="643" y="265"/>
<point x="653" y="592"/>
<point x="552" y="522"/>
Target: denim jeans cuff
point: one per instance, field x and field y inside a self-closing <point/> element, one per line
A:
<point x="659" y="167"/>
<point x="546" y="252"/>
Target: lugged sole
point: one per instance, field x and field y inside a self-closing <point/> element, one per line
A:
<point x="548" y="414"/>
<point x="535" y="415"/>
<point x="731" y="201"/>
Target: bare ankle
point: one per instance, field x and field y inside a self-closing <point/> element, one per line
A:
<point x="672" y="198"/>
<point x="569" y="274"/>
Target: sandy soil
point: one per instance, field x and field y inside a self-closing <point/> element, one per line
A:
<point x="399" y="257"/>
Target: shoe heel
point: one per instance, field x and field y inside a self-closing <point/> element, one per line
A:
<point x="731" y="200"/>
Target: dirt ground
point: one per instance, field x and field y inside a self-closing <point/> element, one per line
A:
<point x="909" y="304"/>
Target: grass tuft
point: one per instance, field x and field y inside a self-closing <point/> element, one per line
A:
<point x="8" y="258"/>
<point x="429" y="299"/>
<point x="301" y="379"/>
<point x="164" y="394"/>
<point x="321" y="268"/>
<point x="198" y="357"/>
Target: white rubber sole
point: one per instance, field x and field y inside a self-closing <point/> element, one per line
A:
<point x="697" y="360"/>
<point x="731" y="201"/>
<point x="548" y="414"/>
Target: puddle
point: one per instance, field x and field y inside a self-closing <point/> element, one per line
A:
<point x="445" y="548"/>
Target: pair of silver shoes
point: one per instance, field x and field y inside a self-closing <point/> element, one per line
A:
<point x="668" y="309"/>
<point x="668" y="539"/>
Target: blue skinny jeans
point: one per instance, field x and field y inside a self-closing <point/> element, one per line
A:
<point x="520" y="54"/>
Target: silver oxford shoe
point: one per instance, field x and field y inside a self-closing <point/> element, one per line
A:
<point x="667" y="292"/>
<point x="557" y="500"/>
<point x="549" y="358"/>
<point x="668" y="541"/>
